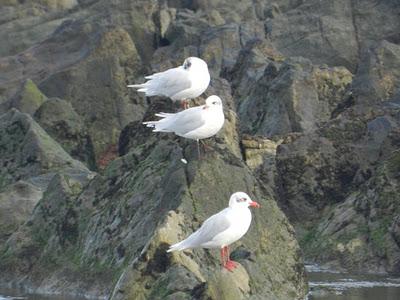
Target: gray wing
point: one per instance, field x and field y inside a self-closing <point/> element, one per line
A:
<point x="211" y="227"/>
<point x="170" y="82"/>
<point x="184" y="121"/>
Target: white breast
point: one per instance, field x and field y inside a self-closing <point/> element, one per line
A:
<point x="200" y="80"/>
<point x="214" y="121"/>
<point x="240" y="220"/>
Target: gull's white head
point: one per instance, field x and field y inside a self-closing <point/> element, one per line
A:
<point x="194" y="63"/>
<point x="241" y="199"/>
<point x="214" y="101"/>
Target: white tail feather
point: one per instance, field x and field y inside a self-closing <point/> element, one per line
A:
<point x="137" y="86"/>
<point x="177" y="247"/>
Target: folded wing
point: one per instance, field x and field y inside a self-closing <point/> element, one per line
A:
<point x="212" y="227"/>
<point x="181" y="122"/>
<point x="166" y="83"/>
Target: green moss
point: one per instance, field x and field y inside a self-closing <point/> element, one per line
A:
<point x="308" y="238"/>
<point x="378" y="235"/>
<point x="30" y="98"/>
<point x="393" y="164"/>
<point x="314" y="244"/>
<point x="160" y="290"/>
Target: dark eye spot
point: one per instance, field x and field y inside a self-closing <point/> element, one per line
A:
<point x="187" y="65"/>
<point x="215" y="102"/>
<point x="241" y="200"/>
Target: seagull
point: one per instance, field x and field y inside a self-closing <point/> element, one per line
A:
<point x="180" y="84"/>
<point x="196" y="123"/>
<point x="222" y="229"/>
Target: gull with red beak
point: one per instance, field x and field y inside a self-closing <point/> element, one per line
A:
<point x="199" y="122"/>
<point x="222" y="229"/>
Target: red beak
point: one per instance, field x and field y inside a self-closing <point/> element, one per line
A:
<point x="254" y="204"/>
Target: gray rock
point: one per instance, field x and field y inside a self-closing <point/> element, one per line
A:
<point x="101" y="81"/>
<point x="27" y="100"/>
<point x="378" y="77"/>
<point x="64" y="125"/>
<point x="337" y="184"/>
<point x="16" y="204"/>
<point x="333" y="33"/>
<point x="27" y="151"/>
<point x="293" y="97"/>
<point x="148" y="199"/>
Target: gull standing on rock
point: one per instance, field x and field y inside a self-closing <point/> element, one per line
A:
<point x="180" y="84"/>
<point x="222" y="229"/>
<point x="199" y="122"/>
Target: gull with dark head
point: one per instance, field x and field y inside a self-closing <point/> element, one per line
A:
<point x="180" y="84"/>
<point x="222" y="229"/>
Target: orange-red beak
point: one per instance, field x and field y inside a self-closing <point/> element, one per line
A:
<point x="254" y="204"/>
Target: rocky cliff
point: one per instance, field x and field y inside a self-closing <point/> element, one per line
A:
<point x="90" y="199"/>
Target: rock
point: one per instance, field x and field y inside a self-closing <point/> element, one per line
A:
<point x="229" y="285"/>
<point x="35" y="22"/>
<point x="255" y="149"/>
<point x="178" y="225"/>
<point x="325" y="36"/>
<point x="63" y="124"/>
<point x="42" y="248"/>
<point x="342" y="200"/>
<point x="285" y="73"/>
<point x="28" y="153"/>
<point x="378" y="78"/>
<point x="259" y="154"/>
<point x="101" y="81"/>
<point x="250" y="66"/>
<point x="29" y="159"/>
<point x="118" y="225"/>
<point x="333" y="33"/>
<point x="360" y="234"/>
<point x="293" y="97"/>
<point x="16" y="203"/>
<point x="28" y="99"/>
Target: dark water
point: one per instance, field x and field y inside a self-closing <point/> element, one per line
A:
<point x="14" y="294"/>
<point x="328" y="285"/>
<point x="324" y="285"/>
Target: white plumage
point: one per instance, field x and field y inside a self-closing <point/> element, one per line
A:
<point x="195" y="123"/>
<point x="184" y="82"/>
<point x="222" y="229"/>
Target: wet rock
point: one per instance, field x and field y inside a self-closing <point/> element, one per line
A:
<point x="360" y="233"/>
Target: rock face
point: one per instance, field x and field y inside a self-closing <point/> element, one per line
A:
<point x="339" y="184"/>
<point x="146" y="200"/>
<point x="29" y="160"/>
<point x="311" y="100"/>
<point x="61" y="122"/>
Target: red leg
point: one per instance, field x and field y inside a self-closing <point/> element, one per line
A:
<point x="184" y="104"/>
<point x="223" y="257"/>
<point x="205" y="146"/>
<point x="229" y="264"/>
